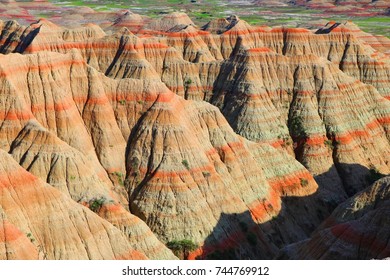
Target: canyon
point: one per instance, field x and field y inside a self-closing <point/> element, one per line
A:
<point x="121" y="136"/>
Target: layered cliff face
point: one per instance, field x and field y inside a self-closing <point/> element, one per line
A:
<point x="52" y="120"/>
<point x="357" y="229"/>
<point x="118" y="123"/>
<point x="68" y="124"/>
<point x="182" y="152"/>
<point x="343" y="44"/>
<point x="39" y="222"/>
<point x="272" y="98"/>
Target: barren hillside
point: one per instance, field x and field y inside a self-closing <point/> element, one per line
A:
<point x="251" y="142"/>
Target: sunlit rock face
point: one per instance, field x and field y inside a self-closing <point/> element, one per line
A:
<point x="241" y="139"/>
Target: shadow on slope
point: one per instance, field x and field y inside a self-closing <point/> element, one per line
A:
<point x="357" y="229"/>
<point x="297" y="220"/>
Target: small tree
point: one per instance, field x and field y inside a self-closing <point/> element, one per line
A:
<point x="182" y="248"/>
<point x="296" y="127"/>
<point x="186" y="164"/>
<point x="120" y="177"/>
<point x="96" y="203"/>
<point x="188" y="81"/>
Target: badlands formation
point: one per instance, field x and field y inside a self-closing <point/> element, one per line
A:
<point x="250" y="142"/>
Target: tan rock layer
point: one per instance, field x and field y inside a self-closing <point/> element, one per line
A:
<point x="185" y="151"/>
<point x="43" y="120"/>
<point x="288" y="88"/>
<point x="59" y="121"/>
<point x="58" y="227"/>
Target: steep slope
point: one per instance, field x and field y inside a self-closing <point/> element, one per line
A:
<point x="170" y="21"/>
<point x="117" y="55"/>
<point x="103" y="118"/>
<point x="341" y="43"/>
<point x="14" y="245"/>
<point x="184" y="151"/>
<point x="378" y="42"/>
<point x="131" y="21"/>
<point x="358" y="229"/>
<point x="52" y="120"/>
<point x="36" y="218"/>
<point x="68" y="128"/>
<point x="11" y="35"/>
<point x="355" y="55"/>
<point x="331" y="117"/>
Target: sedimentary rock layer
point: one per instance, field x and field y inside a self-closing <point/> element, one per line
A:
<point x="68" y="124"/>
<point x="357" y="229"/>
<point x="103" y="118"/>
<point x="51" y="125"/>
<point x="39" y="222"/>
<point x="184" y="151"/>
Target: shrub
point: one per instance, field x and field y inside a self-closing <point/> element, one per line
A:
<point x="296" y="126"/>
<point x="304" y="182"/>
<point x="188" y="81"/>
<point x="328" y="143"/>
<point x="120" y="176"/>
<point x="31" y="237"/>
<point x="186" y="164"/>
<point x="182" y="248"/>
<point x="96" y="203"/>
<point x="286" y="140"/>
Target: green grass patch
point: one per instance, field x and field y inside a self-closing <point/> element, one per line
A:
<point x="203" y="11"/>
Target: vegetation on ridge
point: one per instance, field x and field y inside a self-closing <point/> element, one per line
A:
<point x="96" y="203"/>
<point x="182" y="248"/>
